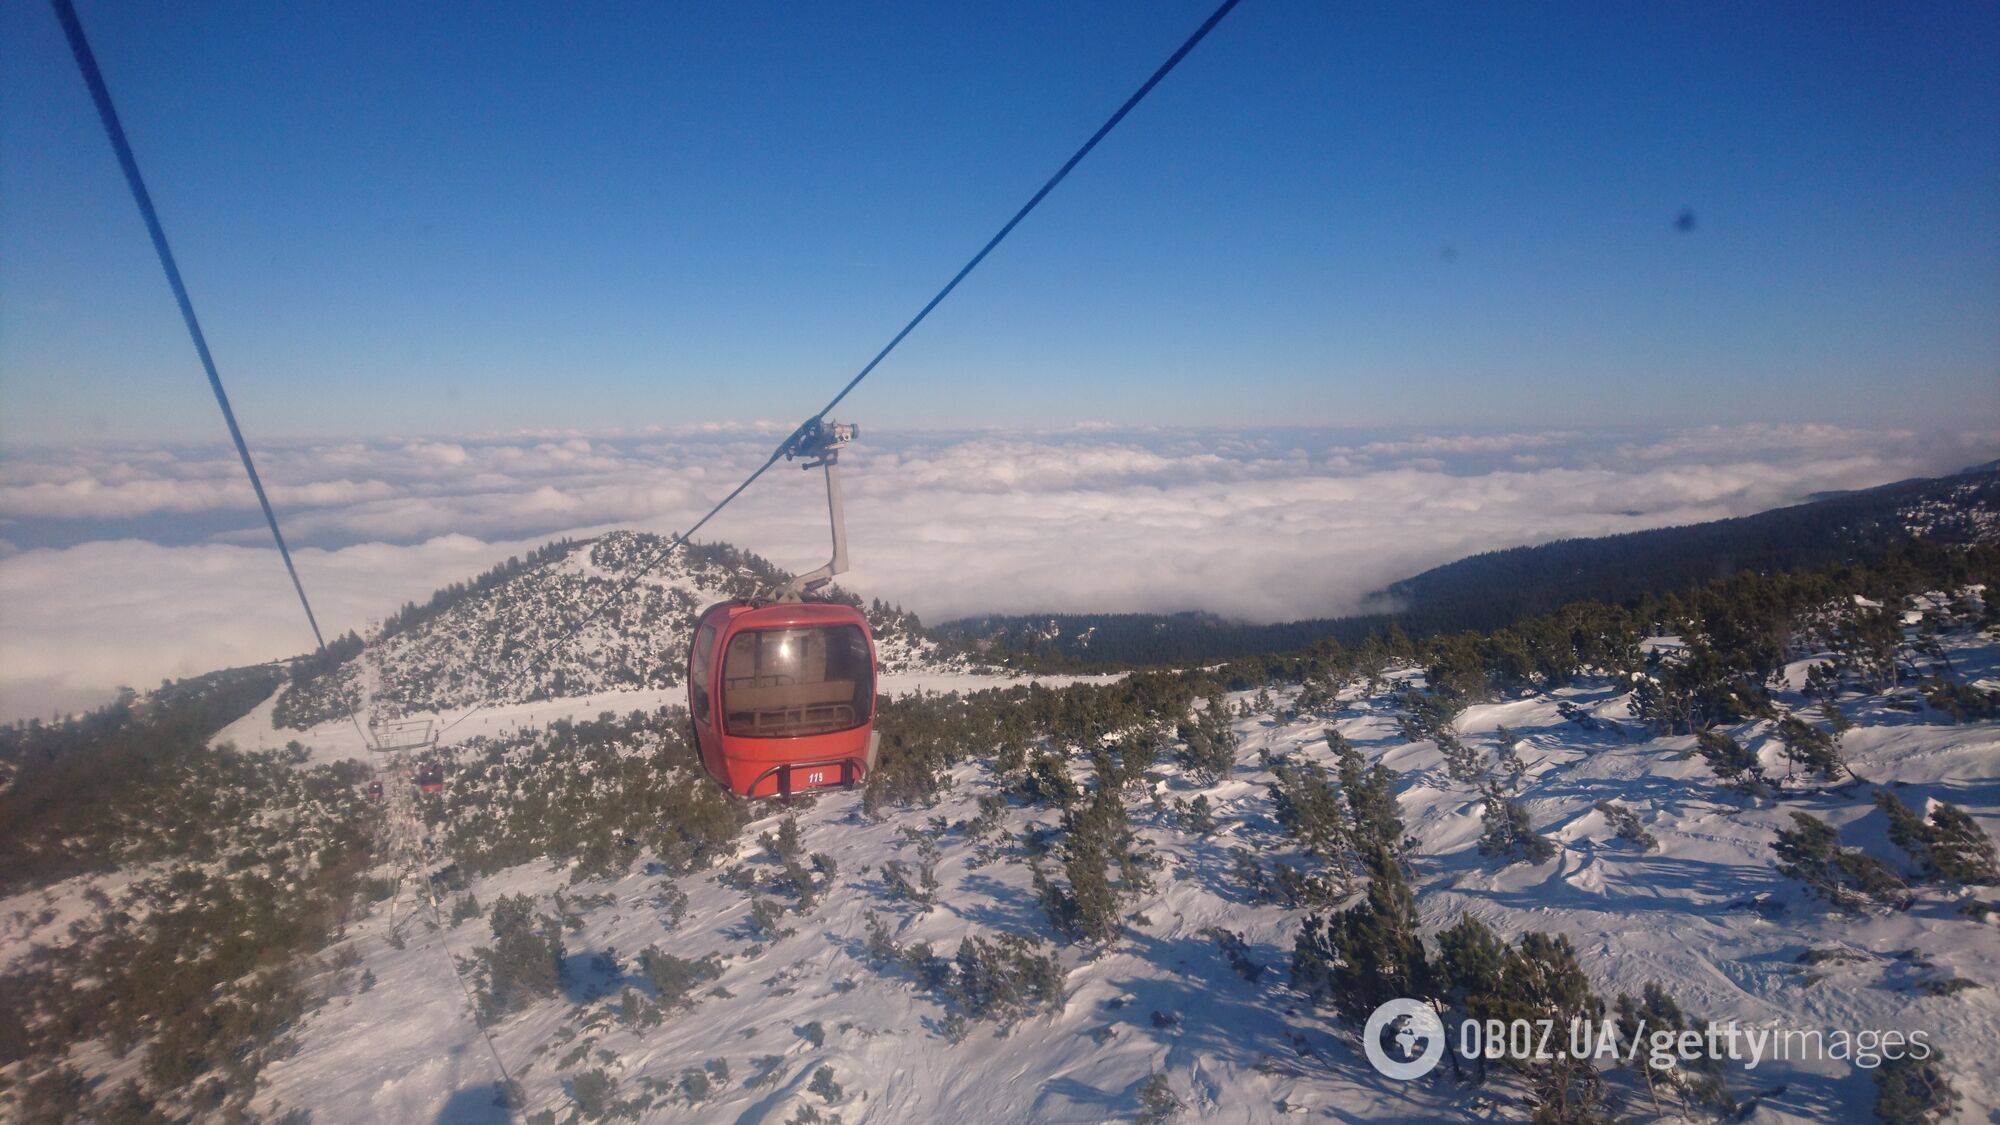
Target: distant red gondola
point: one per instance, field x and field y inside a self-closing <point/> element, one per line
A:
<point x="782" y="692"/>
<point x="374" y="790"/>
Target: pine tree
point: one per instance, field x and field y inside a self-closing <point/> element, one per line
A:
<point x="976" y="987"/>
<point x="1136" y="753"/>
<point x="1249" y="873"/>
<point x="1732" y="763"/>
<point x="1911" y="1091"/>
<point x="1005" y="978"/>
<point x="1508" y="662"/>
<point x="767" y="919"/>
<point x="595" y="1092"/>
<point x="1508" y="759"/>
<point x="1458" y="668"/>
<point x="1308" y="807"/>
<point x="1095" y="835"/>
<point x="1545" y="976"/>
<point x="1699" y="1081"/>
<point x="1810" y="748"/>
<point x="1823" y="683"/>
<point x="676" y="978"/>
<point x="1961" y="852"/>
<point x="1950" y="849"/>
<point x="1865" y="643"/>
<point x="1314" y="697"/>
<point x="1237" y="952"/>
<point x="1962" y="702"/>
<point x="1510" y="833"/>
<point x="1626" y="824"/>
<point x="522" y="963"/>
<point x="1396" y="643"/>
<point x="1845" y="877"/>
<point x="1371" y="798"/>
<point x="1363" y="956"/>
<point x="1048" y="781"/>
<point x="1157" y="1103"/>
<point x="785" y="845"/>
<point x="1209" y="743"/>
<point x="1200" y="815"/>
<point x="1537" y="979"/>
<point x="881" y="945"/>
<point x="1698" y="688"/>
<point x="1470" y="966"/>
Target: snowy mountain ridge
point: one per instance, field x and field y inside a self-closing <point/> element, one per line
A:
<point x="508" y="644"/>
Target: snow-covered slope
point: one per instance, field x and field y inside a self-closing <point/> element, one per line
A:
<point x="1705" y="913"/>
<point x="630" y="618"/>
<point x="580" y="922"/>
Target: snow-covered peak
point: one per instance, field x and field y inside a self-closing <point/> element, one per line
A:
<point x="611" y="614"/>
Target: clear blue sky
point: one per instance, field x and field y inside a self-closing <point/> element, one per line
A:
<point x="409" y="218"/>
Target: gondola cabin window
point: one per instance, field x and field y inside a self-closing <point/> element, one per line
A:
<point x="785" y="683"/>
<point x="698" y="673"/>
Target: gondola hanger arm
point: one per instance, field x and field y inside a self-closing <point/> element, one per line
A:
<point x="818" y="442"/>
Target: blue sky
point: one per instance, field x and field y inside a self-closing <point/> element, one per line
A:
<point x="407" y="219"/>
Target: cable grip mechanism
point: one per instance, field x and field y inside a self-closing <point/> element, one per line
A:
<point x="818" y="444"/>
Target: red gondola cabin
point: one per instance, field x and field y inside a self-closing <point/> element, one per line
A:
<point x="374" y="790"/>
<point x="430" y="779"/>
<point x="783" y="696"/>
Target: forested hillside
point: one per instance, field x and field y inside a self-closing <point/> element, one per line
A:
<point x="1489" y="590"/>
<point x="163" y="898"/>
<point x="83" y="795"/>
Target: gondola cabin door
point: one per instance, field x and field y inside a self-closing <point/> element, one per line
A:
<point x="782" y="696"/>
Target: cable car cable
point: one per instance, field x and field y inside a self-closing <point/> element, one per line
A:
<point x="1138" y="95"/>
<point x="576" y="628"/>
<point x="107" y="114"/>
<point x="791" y="441"/>
<point x="86" y="61"/>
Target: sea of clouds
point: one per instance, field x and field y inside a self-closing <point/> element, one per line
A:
<point x="128" y="565"/>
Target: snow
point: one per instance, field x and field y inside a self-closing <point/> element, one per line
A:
<point x="333" y="741"/>
<point x="43" y="916"/>
<point x="938" y="682"/>
<point x="1705" y="913"/>
<point x="532" y="610"/>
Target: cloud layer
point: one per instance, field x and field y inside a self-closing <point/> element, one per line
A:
<point x="125" y="566"/>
